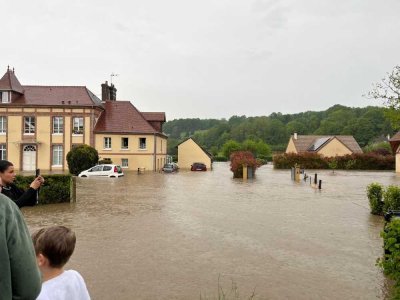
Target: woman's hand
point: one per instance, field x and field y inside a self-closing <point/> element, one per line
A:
<point x="37" y="182"/>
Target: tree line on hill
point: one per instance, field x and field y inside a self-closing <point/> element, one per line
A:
<point x="368" y="125"/>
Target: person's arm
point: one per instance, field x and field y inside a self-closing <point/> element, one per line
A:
<point x="25" y="275"/>
<point x="29" y="197"/>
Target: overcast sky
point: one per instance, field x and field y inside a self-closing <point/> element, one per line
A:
<point x="208" y="58"/>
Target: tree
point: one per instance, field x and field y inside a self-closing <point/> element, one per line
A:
<point x="388" y="90"/>
<point x="81" y="157"/>
<point x="229" y="147"/>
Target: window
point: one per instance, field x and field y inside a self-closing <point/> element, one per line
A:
<point x="4" y="96"/>
<point x="78" y="125"/>
<point x="142" y="143"/>
<point x="124" y="143"/>
<point x="107" y="168"/>
<point x="107" y="143"/>
<point x="57" y="155"/>
<point x="96" y="169"/>
<point x="3" y="125"/>
<point x="124" y="162"/>
<point x="3" y="152"/>
<point x="29" y="125"/>
<point x="58" y="125"/>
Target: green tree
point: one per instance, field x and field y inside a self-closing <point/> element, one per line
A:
<point x="81" y="157"/>
<point x="229" y="147"/>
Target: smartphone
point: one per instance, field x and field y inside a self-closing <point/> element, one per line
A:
<point x="37" y="172"/>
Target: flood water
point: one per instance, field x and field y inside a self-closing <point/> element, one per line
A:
<point x="173" y="236"/>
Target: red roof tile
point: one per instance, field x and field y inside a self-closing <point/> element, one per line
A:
<point x="154" y="116"/>
<point x="10" y="82"/>
<point x="122" y="117"/>
<point x="57" y="95"/>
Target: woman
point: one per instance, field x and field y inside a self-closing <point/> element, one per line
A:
<point x="8" y="188"/>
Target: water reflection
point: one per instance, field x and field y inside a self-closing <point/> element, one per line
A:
<point x="169" y="236"/>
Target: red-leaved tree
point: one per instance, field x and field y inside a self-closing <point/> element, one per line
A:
<point x="240" y="158"/>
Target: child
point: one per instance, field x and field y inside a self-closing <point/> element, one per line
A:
<point x="54" y="246"/>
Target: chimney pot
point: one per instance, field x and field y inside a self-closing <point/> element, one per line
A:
<point x="295" y="135"/>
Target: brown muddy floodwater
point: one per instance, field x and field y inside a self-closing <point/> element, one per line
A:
<point x="171" y="236"/>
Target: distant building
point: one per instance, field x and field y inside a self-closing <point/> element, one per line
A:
<point x="190" y="152"/>
<point x="326" y="145"/>
<point x="39" y="125"/>
<point x="395" y="144"/>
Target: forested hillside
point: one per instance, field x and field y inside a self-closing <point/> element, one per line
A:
<point x="366" y="124"/>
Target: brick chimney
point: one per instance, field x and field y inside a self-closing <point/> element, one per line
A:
<point x="108" y="92"/>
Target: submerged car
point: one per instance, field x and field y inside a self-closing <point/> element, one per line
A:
<point x="112" y="171"/>
<point x="198" y="167"/>
<point x="169" y="168"/>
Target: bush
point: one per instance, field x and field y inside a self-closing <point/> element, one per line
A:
<point x="81" y="158"/>
<point x="359" y="161"/>
<point x="238" y="159"/>
<point x="391" y="198"/>
<point x="105" y="161"/>
<point x="390" y="263"/>
<point x="375" y="193"/>
<point x="56" y="188"/>
<point x="220" y="158"/>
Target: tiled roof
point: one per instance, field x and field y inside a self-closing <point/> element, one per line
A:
<point x="57" y="95"/>
<point x="395" y="142"/>
<point x="154" y="116"/>
<point x="304" y="142"/>
<point x="10" y="82"/>
<point x="122" y="117"/>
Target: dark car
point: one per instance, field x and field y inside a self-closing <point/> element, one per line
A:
<point x="198" y="167"/>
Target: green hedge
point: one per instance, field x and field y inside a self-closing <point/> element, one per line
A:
<point x="360" y="161"/>
<point x="391" y="198"/>
<point x="56" y="188"/>
<point x="390" y="262"/>
<point x="375" y="194"/>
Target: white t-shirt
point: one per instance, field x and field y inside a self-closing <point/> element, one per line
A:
<point x="67" y="286"/>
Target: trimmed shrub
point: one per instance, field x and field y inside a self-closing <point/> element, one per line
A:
<point x="81" y="158"/>
<point x="390" y="263"/>
<point x="239" y="158"/>
<point x="359" y="161"/>
<point x="105" y="161"/>
<point x="391" y="198"/>
<point x="56" y="188"/>
<point x="375" y="193"/>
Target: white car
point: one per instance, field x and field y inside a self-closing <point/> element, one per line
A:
<point x="103" y="170"/>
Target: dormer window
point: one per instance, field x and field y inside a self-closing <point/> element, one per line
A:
<point x="4" y="96"/>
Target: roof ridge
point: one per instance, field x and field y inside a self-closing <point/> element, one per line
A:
<point x="75" y="86"/>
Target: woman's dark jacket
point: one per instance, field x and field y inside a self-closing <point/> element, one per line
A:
<point x="19" y="196"/>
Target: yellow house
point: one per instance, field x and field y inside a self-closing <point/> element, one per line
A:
<point x="395" y="144"/>
<point x="332" y="145"/>
<point x="39" y="125"/>
<point x="190" y="152"/>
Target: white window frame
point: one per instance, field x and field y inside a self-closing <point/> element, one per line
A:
<point x="28" y="120"/>
<point x="3" y="151"/>
<point x="3" y="125"/>
<point x="5" y="95"/>
<point x="107" y="143"/>
<point x="58" y="125"/>
<point x="76" y="129"/>
<point x="141" y="144"/>
<point x="57" y="156"/>
<point x="123" y="165"/>
<point x="122" y="143"/>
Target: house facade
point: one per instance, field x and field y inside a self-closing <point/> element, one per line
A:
<point x="39" y="125"/>
<point x="395" y="145"/>
<point x="190" y="152"/>
<point x="328" y="146"/>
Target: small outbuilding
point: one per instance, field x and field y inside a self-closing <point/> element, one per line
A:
<point x="190" y="152"/>
<point x="326" y="145"/>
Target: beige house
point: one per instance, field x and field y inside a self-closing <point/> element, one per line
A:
<point x="190" y="152"/>
<point x="39" y="125"/>
<point x="395" y="144"/>
<point x="327" y="145"/>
